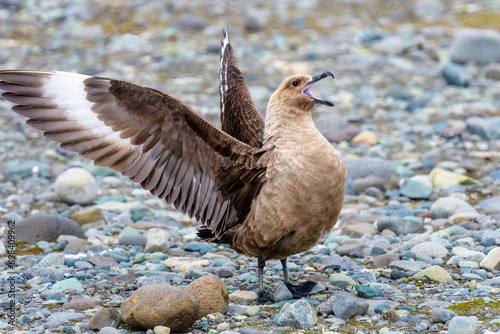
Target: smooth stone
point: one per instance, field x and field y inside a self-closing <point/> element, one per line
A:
<point x="184" y="263"/>
<point x="366" y="291"/>
<point x="416" y="190"/>
<point x="235" y="309"/>
<point x="132" y="239"/>
<point x="98" y="260"/>
<point x="65" y="285"/>
<point x="201" y="247"/>
<point x="486" y="127"/>
<point x="384" y="260"/>
<point x="428" y="9"/>
<point x="76" y="186"/>
<point x="465" y="252"/>
<point x="443" y="179"/>
<point x="391" y="45"/>
<point x="81" y="304"/>
<point x="445" y="207"/>
<point x="251" y="311"/>
<point x="77" y="245"/>
<point x="456" y="75"/>
<point x="211" y="293"/>
<point x="431" y="249"/>
<point x="408" y="265"/>
<point x="66" y="316"/>
<point x="493" y="72"/>
<point x="46" y="275"/>
<point x="345" y="306"/>
<point x="157" y="241"/>
<point x="109" y="330"/>
<point x="361" y="185"/>
<point x="354" y="249"/>
<point x="105" y="317"/>
<point x="282" y="293"/>
<point x="161" y="330"/>
<point x="239" y="296"/>
<point x="477" y="45"/>
<point x="363" y="167"/>
<point x="44" y="227"/>
<point x="365" y="137"/>
<point x="442" y="315"/>
<point x="88" y="216"/>
<point x="298" y="314"/>
<point x="492" y="260"/>
<point x="463" y="325"/>
<point x="329" y="124"/>
<point x="400" y="226"/>
<point x="345" y="134"/>
<point x="358" y="230"/>
<point x="52" y="260"/>
<point x="160" y="305"/>
<point x="492" y="208"/>
<point x="434" y="273"/>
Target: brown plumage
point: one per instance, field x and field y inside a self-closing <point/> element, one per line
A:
<point x="268" y="190"/>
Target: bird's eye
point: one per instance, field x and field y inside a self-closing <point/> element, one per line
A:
<point x="295" y="83"/>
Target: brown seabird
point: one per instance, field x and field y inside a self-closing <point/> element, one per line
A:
<point x="268" y="189"/>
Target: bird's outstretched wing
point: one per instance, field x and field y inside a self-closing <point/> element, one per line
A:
<point x="239" y="116"/>
<point x="148" y="136"/>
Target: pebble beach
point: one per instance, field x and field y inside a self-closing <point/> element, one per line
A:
<point x="416" y="117"/>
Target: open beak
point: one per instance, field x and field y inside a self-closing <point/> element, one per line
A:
<point x="307" y="88"/>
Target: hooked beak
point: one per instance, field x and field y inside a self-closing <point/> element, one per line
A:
<point x="307" y="88"/>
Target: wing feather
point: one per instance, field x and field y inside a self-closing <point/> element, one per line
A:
<point x="148" y="136"/>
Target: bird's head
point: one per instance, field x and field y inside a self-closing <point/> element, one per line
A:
<point x="295" y="92"/>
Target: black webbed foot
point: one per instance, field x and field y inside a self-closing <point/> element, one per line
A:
<point x="264" y="297"/>
<point x="300" y="290"/>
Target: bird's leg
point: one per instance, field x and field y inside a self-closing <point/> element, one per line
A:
<point x="263" y="296"/>
<point x="299" y="290"/>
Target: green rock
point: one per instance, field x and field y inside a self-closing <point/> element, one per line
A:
<point x="140" y="211"/>
<point x="155" y="257"/>
<point x="252" y="310"/>
<point x="366" y="292"/>
<point x="335" y="278"/>
<point x="416" y="190"/>
<point x="132" y="230"/>
<point x="87" y="216"/>
<point x="404" y="171"/>
<point x="434" y="273"/>
<point x="112" y="198"/>
<point x="337" y="238"/>
<point x="70" y="283"/>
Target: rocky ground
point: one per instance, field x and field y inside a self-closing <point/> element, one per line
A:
<point x="417" y="117"/>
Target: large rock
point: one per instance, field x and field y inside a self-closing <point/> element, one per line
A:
<point x="363" y="167"/>
<point x="445" y="207"/>
<point x="492" y="260"/>
<point x="434" y="273"/>
<point x="463" y="325"/>
<point x="105" y="317"/>
<point x="298" y="314"/>
<point x="76" y="186"/>
<point x="160" y="305"/>
<point x="211" y="293"/>
<point x="345" y="306"/>
<point x="46" y="228"/>
<point x="486" y="127"/>
<point x="479" y="45"/>
<point x="429" y="248"/>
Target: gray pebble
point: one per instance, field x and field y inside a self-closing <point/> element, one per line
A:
<point x="463" y="325"/>
<point x="442" y="315"/>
